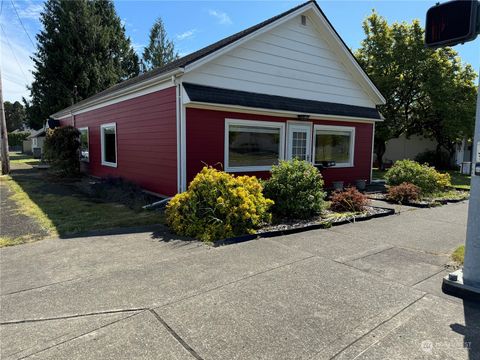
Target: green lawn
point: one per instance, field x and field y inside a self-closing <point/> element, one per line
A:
<point x="458" y="180"/>
<point x="19" y="158"/>
<point x="63" y="210"/>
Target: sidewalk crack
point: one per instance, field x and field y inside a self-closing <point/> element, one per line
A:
<point x="176" y="336"/>
<point x="12" y="322"/>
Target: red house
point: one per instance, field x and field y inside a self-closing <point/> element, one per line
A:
<point x="287" y="87"/>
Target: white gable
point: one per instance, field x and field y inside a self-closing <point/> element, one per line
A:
<point x="292" y="60"/>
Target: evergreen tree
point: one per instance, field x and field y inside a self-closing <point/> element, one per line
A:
<point x="82" y="50"/>
<point x="14" y="115"/>
<point x="160" y="50"/>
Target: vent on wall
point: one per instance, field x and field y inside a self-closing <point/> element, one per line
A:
<point x="304" y="20"/>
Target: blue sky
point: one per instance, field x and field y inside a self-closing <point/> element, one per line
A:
<point x="195" y="24"/>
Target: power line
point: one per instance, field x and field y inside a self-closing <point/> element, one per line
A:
<point x="13" y="52"/>
<point x="21" y="22"/>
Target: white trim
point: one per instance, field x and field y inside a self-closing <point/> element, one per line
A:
<point x="327" y="128"/>
<point x="253" y="123"/>
<point x="280" y="113"/>
<point x="88" y="143"/>
<point x="178" y="105"/>
<point x="102" y="127"/>
<point x="130" y="92"/>
<point x="373" y="149"/>
<point x="183" y="142"/>
<point x="291" y="125"/>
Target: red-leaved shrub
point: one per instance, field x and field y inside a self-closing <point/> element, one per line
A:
<point x="404" y="193"/>
<point x="348" y="200"/>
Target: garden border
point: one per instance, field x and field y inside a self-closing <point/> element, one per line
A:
<point x="322" y="225"/>
<point x="425" y="206"/>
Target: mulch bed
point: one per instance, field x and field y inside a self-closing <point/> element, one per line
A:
<point x="426" y="203"/>
<point x="296" y="226"/>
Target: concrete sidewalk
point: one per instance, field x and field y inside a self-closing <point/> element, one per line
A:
<point x="369" y="290"/>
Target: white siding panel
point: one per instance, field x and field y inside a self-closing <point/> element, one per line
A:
<point x="290" y="60"/>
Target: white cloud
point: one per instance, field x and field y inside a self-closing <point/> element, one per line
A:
<point x="187" y="34"/>
<point x="221" y="16"/>
<point x="31" y="11"/>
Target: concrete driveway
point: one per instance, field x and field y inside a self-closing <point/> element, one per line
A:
<point x="368" y="290"/>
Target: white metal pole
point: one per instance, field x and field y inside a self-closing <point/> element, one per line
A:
<point x="471" y="268"/>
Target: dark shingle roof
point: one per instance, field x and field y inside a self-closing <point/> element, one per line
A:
<point x="213" y="95"/>
<point x="188" y="59"/>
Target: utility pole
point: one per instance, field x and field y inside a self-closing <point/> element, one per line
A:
<point x="4" y="139"/>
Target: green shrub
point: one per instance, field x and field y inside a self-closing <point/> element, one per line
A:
<point x="16" y="139"/>
<point x="61" y="150"/>
<point x="403" y="193"/>
<point x="349" y="200"/>
<point x="296" y="187"/>
<point x="218" y="205"/>
<point x="425" y="177"/>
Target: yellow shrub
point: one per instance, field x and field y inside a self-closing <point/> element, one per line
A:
<point x="444" y="180"/>
<point x="218" y="205"/>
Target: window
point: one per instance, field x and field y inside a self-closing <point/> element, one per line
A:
<point x="334" y="143"/>
<point x="108" y="133"/>
<point x="84" y="151"/>
<point x="253" y="145"/>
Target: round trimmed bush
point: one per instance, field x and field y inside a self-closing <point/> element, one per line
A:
<point x="296" y="187"/>
<point x="425" y="177"/>
<point x="218" y="205"/>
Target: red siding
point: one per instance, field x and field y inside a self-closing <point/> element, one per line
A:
<point x="205" y="144"/>
<point x="146" y="140"/>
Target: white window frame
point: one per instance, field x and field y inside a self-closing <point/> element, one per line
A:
<point x="253" y="123"/>
<point x="102" y="132"/>
<point x="327" y="128"/>
<point x="88" y="143"/>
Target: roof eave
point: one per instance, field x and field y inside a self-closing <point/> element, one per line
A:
<point x="121" y="92"/>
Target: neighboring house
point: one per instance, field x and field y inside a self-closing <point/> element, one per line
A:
<point x="37" y="138"/>
<point x="405" y="147"/>
<point x="287" y="87"/>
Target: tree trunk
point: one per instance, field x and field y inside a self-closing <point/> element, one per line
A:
<point x="380" y="148"/>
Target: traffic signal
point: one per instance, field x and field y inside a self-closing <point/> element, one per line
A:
<point x="451" y="23"/>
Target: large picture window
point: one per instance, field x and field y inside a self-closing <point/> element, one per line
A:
<point x="253" y="145"/>
<point x="334" y="143"/>
<point x="108" y="134"/>
<point x="84" y="151"/>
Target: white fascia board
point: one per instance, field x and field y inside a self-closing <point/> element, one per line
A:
<point x="161" y="82"/>
<point x="279" y="113"/>
<point x="352" y="62"/>
<point x="246" y="38"/>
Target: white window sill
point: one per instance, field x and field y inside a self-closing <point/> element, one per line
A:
<point x="104" y="163"/>
<point x="248" y="169"/>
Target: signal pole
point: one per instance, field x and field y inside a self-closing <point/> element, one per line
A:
<point x="448" y="24"/>
<point x="466" y="283"/>
<point x="4" y="139"/>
